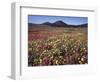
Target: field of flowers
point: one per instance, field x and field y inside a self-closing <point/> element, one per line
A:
<point x="58" y="47"/>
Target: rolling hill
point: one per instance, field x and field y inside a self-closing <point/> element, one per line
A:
<point x="57" y="24"/>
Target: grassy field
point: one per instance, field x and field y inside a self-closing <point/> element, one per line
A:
<point x="57" y="46"/>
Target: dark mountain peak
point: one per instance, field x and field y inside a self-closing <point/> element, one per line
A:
<point x="59" y="22"/>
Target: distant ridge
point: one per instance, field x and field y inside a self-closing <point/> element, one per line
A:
<point x="58" y="24"/>
<point x="46" y="23"/>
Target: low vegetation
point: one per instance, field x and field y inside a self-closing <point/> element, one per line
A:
<point x="57" y="46"/>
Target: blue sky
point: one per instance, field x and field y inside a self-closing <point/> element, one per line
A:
<point x="38" y="19"/>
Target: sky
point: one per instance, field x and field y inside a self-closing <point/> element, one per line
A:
<point x="39" y="19"/>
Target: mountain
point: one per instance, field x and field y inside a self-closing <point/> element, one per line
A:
<point x="46" y="23"/>
<point x="83" y="25"/>
<point x="32" y="24"/>
<point x="63" y="24"/>
<point x="57" y="24"/>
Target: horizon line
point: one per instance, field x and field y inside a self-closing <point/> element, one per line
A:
<point x="56" y="21"/>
